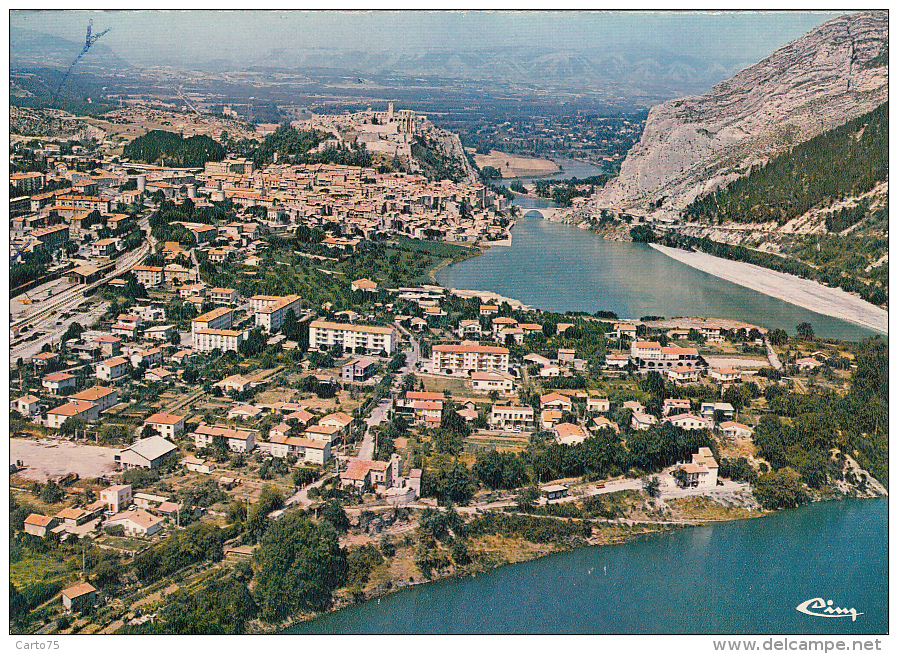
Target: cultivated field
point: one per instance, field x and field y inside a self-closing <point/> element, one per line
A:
<point x="512" y="165"/>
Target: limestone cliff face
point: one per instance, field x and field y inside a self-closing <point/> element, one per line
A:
<point x="692" y="145"/>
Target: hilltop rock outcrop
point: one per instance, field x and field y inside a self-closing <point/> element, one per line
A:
<point x="692" y="145"/>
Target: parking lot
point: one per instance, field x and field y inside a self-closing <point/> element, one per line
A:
<point x="52" y="459"/>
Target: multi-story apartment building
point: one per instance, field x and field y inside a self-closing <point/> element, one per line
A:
<point x="352" y="338"/>
<point x="271" y="309"/>
<point x="27" y="182"/>
<point x="104" y="247"/>
<point x="468" y="358"/>
<point x="650" y="355"/>
<point x="148" y="275"/>
<point x="210" y="331"/>
<point x="220" y="318"/>
<point x="223" y="295"/>
<point x="206" y="340"/>
<point x="511" y="416"/>
<point x="84" y="202"/>
<point x="53" y="237"/>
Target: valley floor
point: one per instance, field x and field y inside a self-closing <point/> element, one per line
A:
<point x="802" y="292"/>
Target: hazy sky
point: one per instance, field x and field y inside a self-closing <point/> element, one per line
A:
<point x="144" y="37"/>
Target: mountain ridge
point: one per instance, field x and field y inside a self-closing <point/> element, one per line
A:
<point x="695" y="144"/>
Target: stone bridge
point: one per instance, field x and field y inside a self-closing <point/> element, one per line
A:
<point x="548" y="213"/>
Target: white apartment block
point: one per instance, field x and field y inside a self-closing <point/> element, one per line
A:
<point x="148" y="275"/>
<point x="210" y="331"/>
<point x="511" y="416"/>
<point x="222" y="295"/>
<point x="271" y="311"/>
<point x="206" y="340"/>
<point x="468" y="358"/>
<point x="649" y="355"/>
<point x="220" y="318"/>
<point x="352" y="338"/>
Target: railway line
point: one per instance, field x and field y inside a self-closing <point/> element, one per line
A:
<point x="74" y="297"/>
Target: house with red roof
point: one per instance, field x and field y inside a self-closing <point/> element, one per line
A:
<point x="58" y="381"/>
<point x="167" y="424"/>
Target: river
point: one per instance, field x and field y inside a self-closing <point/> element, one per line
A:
<point x="559" y="267"/>
<point x="740" y="577"/>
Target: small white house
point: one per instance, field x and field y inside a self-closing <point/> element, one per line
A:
<point x="29" y="405"/>
<point x="167" y="424"/>
<point x="113" y="368"/>
<point x="136" y="523"/>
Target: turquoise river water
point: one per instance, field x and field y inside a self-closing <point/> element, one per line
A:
<point x="740" y="577"/>
<point x="559" y="267"/>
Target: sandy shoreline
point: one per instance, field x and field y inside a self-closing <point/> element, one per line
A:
<point x="801" y="292"/>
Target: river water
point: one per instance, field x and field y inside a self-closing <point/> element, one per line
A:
<point x="560" y="267"/>
<point x="730" y="578"/>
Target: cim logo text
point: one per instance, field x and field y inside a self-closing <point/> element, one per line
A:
<point x="820" y="608"/>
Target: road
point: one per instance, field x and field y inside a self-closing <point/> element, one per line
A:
<point x="301" y="497"/>
<point x="771" y="356"/>
<point x="379" y="413"/>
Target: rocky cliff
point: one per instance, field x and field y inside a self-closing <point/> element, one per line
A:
<point x="692" y="145"/>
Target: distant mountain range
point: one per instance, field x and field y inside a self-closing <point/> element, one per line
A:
<point x="633" y="70"/>
<point x="640" y="67"/>
<point x="28" y="48"/>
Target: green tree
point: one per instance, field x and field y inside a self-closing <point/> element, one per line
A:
<point x="781" y="489"/>
<point x="333" y="513"/>
<point x="805" y="331"/>
<point x="257" y="521"/>
<point x="778" y="337"/>
<point x="458" y="487"/>
<point x="652" y="485"/>
<point x="300" y="564"/>
<point x="222" y="606"/>
<point x="527" y="499"/>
